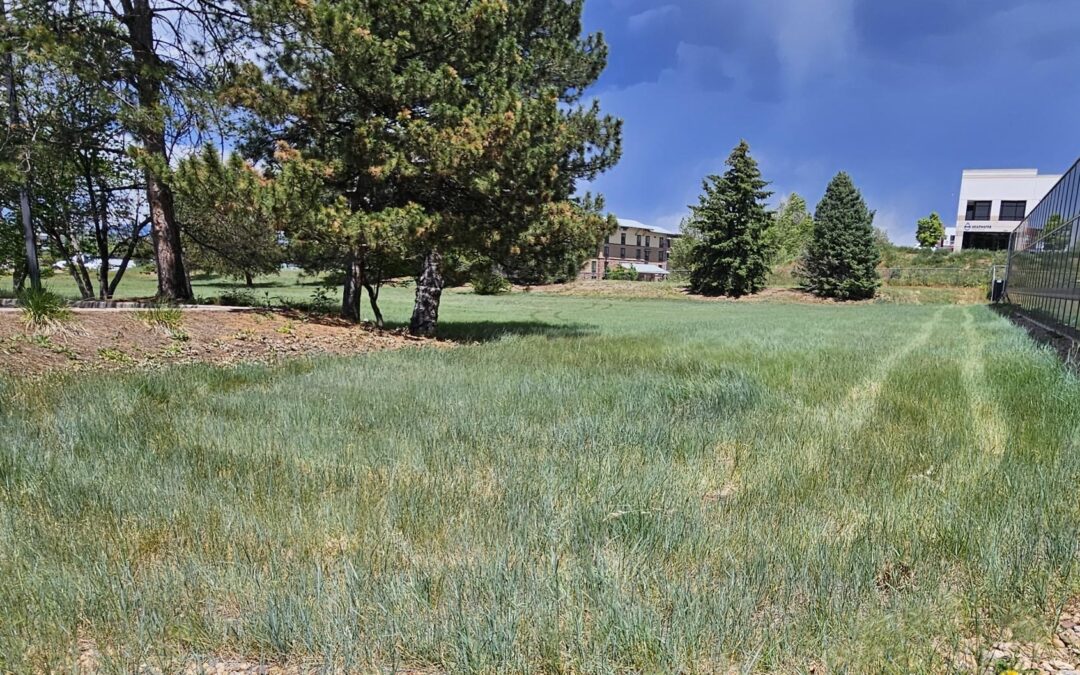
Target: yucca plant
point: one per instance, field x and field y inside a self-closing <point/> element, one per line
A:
<point x="42" y="309"/>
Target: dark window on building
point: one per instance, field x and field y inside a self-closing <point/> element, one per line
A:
<point x="1013" y="211"/>
<point x="594" y="269"/>
<point x="622" y="239"/>
<point x="977" y="211"/>
<point x="605" y="251"/>
<point x="639" y="240"/>
<point x="622" y="252"/>
<point x="647" y="238"/>
<point x="990" y="241"/>
<point x="646" y="255"/>
<point x="638" y="254"/>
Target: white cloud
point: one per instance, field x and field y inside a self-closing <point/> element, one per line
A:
<point x="671" y="221"/>
<point x="649" y="17"/>
<point x="898" y="221"/>
<point x="812" y="37"/>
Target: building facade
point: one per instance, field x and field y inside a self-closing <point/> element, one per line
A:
<point x="993" y="202"/>
<point x="643" y="247"/>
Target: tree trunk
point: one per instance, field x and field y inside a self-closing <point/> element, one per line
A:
<point x="373" y="298"/>
<point x="132" y="243"/>
<point x="100" y="209"/>
<point x="248" y="280"/>
<point x="18" y="276"/>
<point x="82" y="278"/>
<point x="173" y="284"/>
<point x="103" y="279"/>
<point x="429" y="286"/>
<point x="351" y="297"/>
<point x="32" y="267"/>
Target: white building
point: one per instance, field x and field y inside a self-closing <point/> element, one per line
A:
<point x="993" y="202"/>
<point x="948" y="242"/>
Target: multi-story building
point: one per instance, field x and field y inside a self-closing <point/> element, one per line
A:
<point x="643" y="247"/>
<point x="993" y="202"/>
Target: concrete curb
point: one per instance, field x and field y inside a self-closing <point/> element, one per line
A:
<point x="105" y="305"/>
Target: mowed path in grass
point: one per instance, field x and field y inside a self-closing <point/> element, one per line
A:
<point x="590" y="485"/>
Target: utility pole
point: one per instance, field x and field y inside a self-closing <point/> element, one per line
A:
<point x="24" y="187"/>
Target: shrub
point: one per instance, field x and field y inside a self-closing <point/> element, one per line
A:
<point x="41" y="308"/>
<point x="238" y="298"/>
<point x="620" y="273"/>
<point x="489" y="282"/>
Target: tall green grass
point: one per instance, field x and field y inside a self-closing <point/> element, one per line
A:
<point x="594" y="485"/>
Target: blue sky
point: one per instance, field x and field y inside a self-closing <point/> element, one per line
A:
<point x="901" y="94"/>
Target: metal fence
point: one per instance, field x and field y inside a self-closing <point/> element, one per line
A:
<point x="1044" y="256"/>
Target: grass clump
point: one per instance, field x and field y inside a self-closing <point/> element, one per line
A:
<point x="167" y="317"/>
<point x="42" y="309"/>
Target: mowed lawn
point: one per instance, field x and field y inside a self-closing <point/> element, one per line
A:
<point x="590" y="485"/>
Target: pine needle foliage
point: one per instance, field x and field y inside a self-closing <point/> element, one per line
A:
<point x="841" y="260"/>
<point x="732" y="257"/>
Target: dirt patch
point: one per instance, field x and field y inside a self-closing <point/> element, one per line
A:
<point x="1060" y="655"/>
<point x="121" y="340"/>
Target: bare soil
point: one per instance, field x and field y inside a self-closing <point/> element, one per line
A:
<point x="121" y="340"/>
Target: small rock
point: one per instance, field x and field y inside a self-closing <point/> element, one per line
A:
<point x="1058" y="642"/>
<point x="1061" y="665"/>
<point x="994" y="655"/>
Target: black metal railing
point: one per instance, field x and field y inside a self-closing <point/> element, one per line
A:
<point x="1044" y="256"/>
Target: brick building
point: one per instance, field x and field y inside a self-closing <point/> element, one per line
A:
<point x="643" y="247"/>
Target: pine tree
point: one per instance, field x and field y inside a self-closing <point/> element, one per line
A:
<point x="732" y="255"/>
<point x="466" y="115"/>
<point x="841" y="260"/>
<point x="229" y="214"/>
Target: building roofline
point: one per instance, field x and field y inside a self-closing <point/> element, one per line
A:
<point x="1004" y="173"/>
<point x="628" y="223"/>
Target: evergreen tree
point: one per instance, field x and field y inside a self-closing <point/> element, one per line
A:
<point x="230" y="214"/>
<point x="842" y="257"/>
<point x="732" y="257"/>
<point x="458" y="123"/>
<point x="929" y="230"/>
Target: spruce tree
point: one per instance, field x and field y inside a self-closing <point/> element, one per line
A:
<point x="841" y="260"/>
<point x="732" y="256"/>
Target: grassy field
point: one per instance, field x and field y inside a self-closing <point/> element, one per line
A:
<point x="289" y="286"/>
<point x="594" y="485"/>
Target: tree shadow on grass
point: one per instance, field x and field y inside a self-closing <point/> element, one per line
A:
<point x="487" y="331"/>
